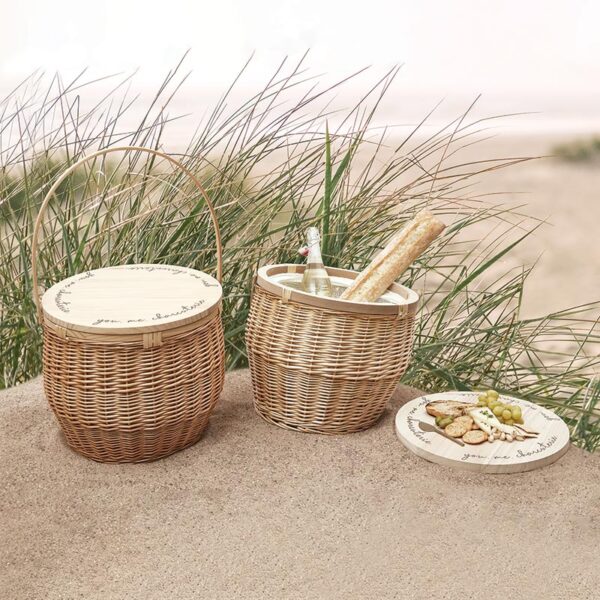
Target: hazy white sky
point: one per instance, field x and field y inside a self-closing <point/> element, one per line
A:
<point x="545" y="49"/>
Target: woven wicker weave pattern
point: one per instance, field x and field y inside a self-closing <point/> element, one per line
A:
<point x="130" y="395"/>
<point x="323" y="371"/>
<point x="119" y="402"/>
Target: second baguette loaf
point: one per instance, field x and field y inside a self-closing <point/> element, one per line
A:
<point x="402" y="250"/>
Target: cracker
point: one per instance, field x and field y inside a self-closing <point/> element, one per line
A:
<point x="475" y="436"/>
<point x="466" y="420"/>
<point x="458" y="428"/>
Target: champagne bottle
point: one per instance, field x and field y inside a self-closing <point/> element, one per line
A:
<point x="315" y="279"/>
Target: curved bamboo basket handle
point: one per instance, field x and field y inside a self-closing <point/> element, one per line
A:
<point x="38" y="222"/>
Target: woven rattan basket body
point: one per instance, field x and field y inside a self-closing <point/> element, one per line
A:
<point x="324" y="365"/>
<point x="141" y="391"/>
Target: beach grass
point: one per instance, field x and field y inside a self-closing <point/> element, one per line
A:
<point x="273" y="164"/>
<point x="585" y="150"/>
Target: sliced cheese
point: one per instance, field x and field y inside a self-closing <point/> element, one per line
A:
<point x="488" y="421"/>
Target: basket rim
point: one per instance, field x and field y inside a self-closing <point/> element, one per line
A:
<point x="265" y="281"/>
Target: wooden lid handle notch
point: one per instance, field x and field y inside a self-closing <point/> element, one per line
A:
<point x="38" y="223"/>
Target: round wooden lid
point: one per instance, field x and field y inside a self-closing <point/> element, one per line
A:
<point x="551" y="442"/>
<point x="131" y="299"/>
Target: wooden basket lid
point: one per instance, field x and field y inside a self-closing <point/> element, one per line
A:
<point x="131" y="299"/>
<point x="265" y="280"/>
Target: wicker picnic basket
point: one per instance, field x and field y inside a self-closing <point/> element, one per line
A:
<point x="133" y="358"/>
<point x="323" y="365"/>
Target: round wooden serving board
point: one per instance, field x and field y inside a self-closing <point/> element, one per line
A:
<point x="131" y="299"/>
<point x="497" y="457"/>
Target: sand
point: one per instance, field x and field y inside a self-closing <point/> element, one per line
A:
<point x="254" y="511"/>
<point x="565" y="196"/>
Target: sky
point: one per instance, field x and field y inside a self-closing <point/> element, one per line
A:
<point x="541" y="55"/>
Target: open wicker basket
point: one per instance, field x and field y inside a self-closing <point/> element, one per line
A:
<point x="323" y="365"/>
<point x="133" y="359"/>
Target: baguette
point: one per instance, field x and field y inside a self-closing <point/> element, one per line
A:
<point x="402" y="250"/>
<point x="448" y="408"/>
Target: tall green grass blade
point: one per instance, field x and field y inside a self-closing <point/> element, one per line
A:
<point x="261" y="161"/>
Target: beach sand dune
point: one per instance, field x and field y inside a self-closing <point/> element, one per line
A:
<point x="253" y="511"/>
<point x="567" y="196"/>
